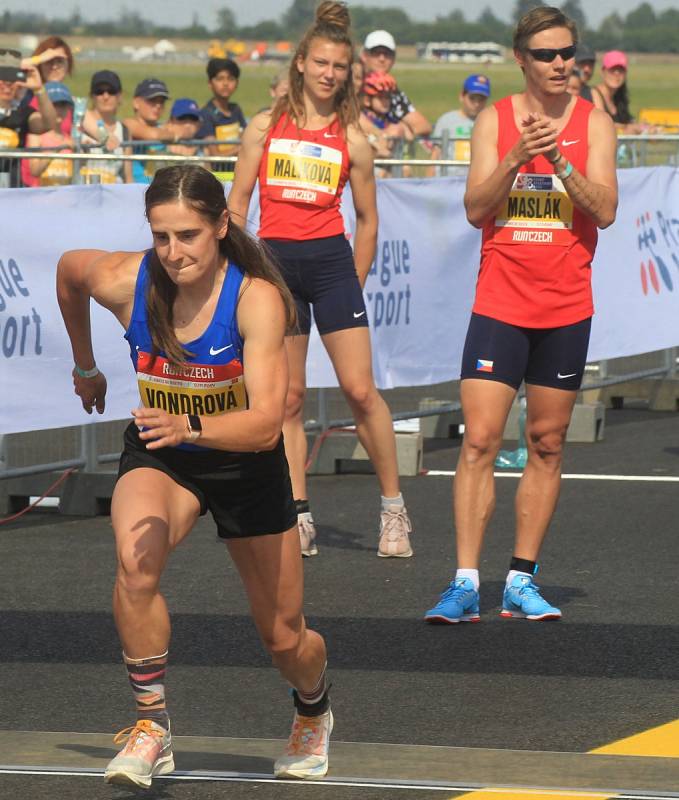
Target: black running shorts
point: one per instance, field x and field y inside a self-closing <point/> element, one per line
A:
<point x="554" y="357"/>
<point x="248" y="494"/>
<point x="321" y="273"/>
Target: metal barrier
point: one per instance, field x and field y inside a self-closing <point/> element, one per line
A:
<point x="647" y="371"/>
<point x="633" y="151"/>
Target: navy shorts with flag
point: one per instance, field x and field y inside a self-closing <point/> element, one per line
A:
<point x="510" y="354"/>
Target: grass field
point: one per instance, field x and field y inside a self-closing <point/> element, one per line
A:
<point x="433" y="88"/>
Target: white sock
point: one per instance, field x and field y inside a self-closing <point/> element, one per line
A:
<point x="513" y="573"/>
<point x="472" y="574"/>
<point x="392" y="501"/>
<point x="305" y="516"/>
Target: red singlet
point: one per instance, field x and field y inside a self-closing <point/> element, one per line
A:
<point x="537" y="252"/>
<point x="301" y="177"/>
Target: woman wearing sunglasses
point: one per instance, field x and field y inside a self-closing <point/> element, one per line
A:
<point x="541" y="181"/>
<point x="106" y="94"/>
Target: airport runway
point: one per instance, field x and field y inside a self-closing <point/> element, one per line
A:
<point x="421" y="711"/>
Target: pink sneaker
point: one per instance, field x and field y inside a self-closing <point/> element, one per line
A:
<point x="306" y="755"/>
<point x="148" y="752"/>
<point x="395" y="527"/>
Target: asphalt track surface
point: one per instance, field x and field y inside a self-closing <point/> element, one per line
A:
<point x="498" y="692"/>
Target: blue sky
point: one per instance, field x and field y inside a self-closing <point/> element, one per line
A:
<point x="179" y="12"/>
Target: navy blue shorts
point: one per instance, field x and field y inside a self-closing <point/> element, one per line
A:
<point x="321" y="273"/>
<point x="497" y="351"/>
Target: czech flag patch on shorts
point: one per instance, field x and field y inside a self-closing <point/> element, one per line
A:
<point x="483" y="366"/>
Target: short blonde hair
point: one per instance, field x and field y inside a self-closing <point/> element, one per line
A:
<point x="540" y="19"/>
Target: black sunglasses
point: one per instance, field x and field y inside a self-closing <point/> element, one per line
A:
<point x="4" y="51"/>
<point x="100" y="90"/>
<point x="548" y="54"/>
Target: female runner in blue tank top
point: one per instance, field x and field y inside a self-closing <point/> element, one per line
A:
<point x="205" y="314"/>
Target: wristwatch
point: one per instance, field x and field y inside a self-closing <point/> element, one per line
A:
<point x="194" y="426"/>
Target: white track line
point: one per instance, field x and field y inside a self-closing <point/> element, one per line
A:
<point x="328" y="783"/>
<point x="570" y="476"/>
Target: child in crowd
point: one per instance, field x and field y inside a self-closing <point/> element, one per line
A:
<point x="375" y="98"/>
<point x="55" y="171"/>
<point x="279" y="85"/>
<point x="186" y="116"/>
<point x="574" y="84"/>
<point x="458" y="124"/>
<point x="222" y="119"/>
<point x="149" y="101"/>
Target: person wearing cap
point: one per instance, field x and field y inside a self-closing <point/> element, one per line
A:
<point x="541" y="182"/>
<point x="458" y="123"/>
<point x="150" y="97"/>
<point x="585" y="59"/>
<point x="186" y="115"/>
<point x="55" y="171"/>
<point x="611" y="94"/>
<point x="104" y="132"/>
<point x="379" y="55"/>
<point x="222" y="119"/>
<point x="375" y="101"/>
<point x="17" y="120"/>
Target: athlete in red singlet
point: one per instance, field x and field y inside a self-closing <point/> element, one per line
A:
<point x="303" y="153"/>
<point x="541" y="181"/>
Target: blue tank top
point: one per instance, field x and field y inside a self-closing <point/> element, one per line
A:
<point x="211" y="382"/>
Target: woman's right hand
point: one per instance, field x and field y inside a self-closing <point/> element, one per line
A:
<point x="538" y="137"/>
<point x="91" y="391"/>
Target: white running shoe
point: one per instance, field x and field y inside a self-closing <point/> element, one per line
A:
<point x="306" y="755"/>
<point x="395" y="530"/>
<point x="147" y="753"/>
<point x="307" y="535"/>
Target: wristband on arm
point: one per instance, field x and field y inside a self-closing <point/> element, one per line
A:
<point x="566" y="172"/>
<point x="86" y="373"/>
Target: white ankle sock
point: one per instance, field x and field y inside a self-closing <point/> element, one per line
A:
<point x="392" y="501"/>
<point x="513" y="573"/>
<point x="472" y="574"/>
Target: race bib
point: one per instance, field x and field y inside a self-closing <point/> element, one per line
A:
<point x="59" y="172"/>
<point x="304" y="172"/>
<point x="203" y="389"/>
<point x="537" y="211"/>
<point x="9" y="139"/>
<point x="230" y="131"/>
<point x="463" y="150"/>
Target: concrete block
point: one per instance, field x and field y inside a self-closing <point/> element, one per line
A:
<point x="587" y="423"/>
<point x="340" y="451"/>
<point x="82" y="494"/>
<point x="661" y="394"/>
<point x="87" y="494"/>
<point x="440" y="426"/>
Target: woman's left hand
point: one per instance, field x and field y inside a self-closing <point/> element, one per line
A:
<point x="162" y="429"/>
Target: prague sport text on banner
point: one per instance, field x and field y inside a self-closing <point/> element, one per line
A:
<point x="418" y="294"/>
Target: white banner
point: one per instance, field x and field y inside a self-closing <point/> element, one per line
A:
<point x="419" y="292"/>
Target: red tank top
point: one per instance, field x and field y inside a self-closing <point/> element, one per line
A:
<point x="537" y="251"/>
<point x="301" y="177"/>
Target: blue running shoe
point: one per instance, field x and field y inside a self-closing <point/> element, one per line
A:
<point x="459" y="603"/>
<point x="522" y="600"/>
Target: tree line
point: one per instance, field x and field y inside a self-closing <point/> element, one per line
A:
<point x="641" y="30"/>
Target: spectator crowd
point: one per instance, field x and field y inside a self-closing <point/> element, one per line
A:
<point x="38" y="112"/>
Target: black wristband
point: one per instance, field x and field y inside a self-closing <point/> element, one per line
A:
<point x="556" y="159"/>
